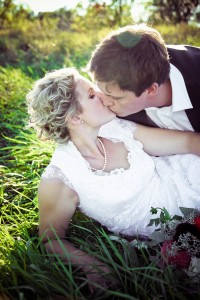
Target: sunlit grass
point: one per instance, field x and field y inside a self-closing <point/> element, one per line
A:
<point x="28" y="272"/>
<point x="187" y="35"/>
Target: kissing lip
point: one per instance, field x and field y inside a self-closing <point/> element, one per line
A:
<point x="112" y="111"/>
<point x="108" y="107"/>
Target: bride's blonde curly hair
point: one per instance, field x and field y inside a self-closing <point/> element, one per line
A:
<point x="51" y="100"/>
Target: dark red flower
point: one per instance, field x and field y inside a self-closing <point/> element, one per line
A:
<point x="197" y="222"/>
<point x="181" y="259"/>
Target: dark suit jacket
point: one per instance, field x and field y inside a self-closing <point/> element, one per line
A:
<point x="188" y="63"/>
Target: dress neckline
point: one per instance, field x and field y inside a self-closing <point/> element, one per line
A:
<point x="70" y="146"/>
<point x="115" y="171"/>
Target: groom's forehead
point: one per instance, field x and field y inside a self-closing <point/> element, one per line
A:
<point x="109" y="87"/>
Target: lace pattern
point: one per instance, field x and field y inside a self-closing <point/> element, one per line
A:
<point x="127" y="125"/>
<point x="54" y="172"/>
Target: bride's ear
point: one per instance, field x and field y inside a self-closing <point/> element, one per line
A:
<point x="74" y="120"/>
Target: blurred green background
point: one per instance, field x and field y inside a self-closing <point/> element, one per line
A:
<point x="39" y="42"/>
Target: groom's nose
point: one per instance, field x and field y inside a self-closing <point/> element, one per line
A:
<point x="107" y="101"/>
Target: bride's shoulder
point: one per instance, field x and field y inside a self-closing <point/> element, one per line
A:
<point x="54" y="175"/>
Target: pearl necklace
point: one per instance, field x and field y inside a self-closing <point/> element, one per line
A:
<point x="105" y="157"/>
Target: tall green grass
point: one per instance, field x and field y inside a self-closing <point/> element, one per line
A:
<point x="26" y="270"/>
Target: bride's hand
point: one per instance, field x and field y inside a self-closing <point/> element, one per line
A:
<point x="99" y="275"/>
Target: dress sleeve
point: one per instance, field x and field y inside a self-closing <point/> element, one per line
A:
<point x="54" y="172"/>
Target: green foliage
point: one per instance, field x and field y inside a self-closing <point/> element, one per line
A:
<point x="187" y="34"/>
<point x="36" y="44"/>
<point x="14" y="85"/>
<point x="111" y="14"/>
<point x="162" y="219"/>
<point x="12" y="13"/>
<point x="38" y="48"/>
<point x="174" y="11"/>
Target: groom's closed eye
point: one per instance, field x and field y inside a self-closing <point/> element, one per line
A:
<point x="115" y="98"/>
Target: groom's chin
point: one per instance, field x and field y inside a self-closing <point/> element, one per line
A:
<point x="121" y="115"/>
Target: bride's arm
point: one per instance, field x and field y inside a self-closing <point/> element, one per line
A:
<point x="57" y="204"/>
<point x="157" y="141"/>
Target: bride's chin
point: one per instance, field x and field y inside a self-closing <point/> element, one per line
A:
<point x="109" y="119"/>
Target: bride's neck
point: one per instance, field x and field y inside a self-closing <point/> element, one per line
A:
<point x="86" y="143"/>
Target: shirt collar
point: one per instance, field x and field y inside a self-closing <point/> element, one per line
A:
<point x="180" y="97"/>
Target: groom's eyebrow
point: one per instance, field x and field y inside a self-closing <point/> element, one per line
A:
<point x="109" y="95"/>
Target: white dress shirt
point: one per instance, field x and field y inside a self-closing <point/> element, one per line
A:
<point x="174" y="116"/>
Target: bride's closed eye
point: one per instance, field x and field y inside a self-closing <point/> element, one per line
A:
<point x="91" y="94"/>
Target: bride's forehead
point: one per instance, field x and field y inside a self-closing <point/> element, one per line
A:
<point x="84" y="83"/>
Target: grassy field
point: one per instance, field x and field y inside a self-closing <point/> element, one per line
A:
<point x="26" y="270"/>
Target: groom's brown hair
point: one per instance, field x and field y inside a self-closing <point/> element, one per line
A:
<point x="134" y="57"/>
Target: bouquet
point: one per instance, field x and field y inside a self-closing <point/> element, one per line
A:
<point x="179" y="237"/>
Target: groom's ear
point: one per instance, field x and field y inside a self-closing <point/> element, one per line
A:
<point x="151" y="91"/>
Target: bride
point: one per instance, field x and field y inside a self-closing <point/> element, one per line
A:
<point x="113" y="170"/>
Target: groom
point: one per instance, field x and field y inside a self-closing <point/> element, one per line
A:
<point x="146" y="81"/>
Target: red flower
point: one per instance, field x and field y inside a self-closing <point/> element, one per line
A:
<point x="181" y="259"/>
<point x="197" y="222"/>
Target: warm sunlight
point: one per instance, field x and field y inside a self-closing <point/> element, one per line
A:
<point x="138" y="10"/>
<point x="43" y="5"/>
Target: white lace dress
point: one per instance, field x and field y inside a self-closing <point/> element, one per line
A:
<point x="121" y="200"/>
